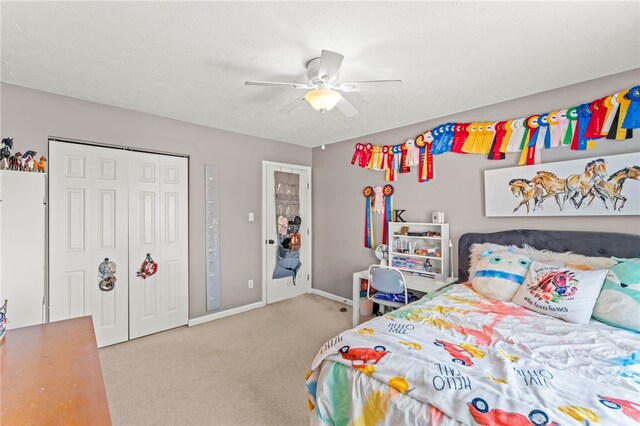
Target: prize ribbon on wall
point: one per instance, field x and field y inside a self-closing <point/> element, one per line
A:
<point x="368" y="222"/>
<point x="612" y="117"/>
<point x="387" y="191"/>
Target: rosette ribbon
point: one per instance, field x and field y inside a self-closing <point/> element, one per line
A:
<point x="368" y="222"/>
<point x="387" y="191"/>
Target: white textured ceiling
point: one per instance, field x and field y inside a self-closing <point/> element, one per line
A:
<point x="189" y="60"/>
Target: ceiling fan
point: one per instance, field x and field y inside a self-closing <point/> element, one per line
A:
<point x="324" y="89"/>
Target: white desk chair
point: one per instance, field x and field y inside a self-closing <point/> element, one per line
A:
<point x="385" y="279"/>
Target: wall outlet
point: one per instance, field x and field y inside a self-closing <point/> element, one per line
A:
<point x="251" y="218"/>
<point x="250" y="283"/>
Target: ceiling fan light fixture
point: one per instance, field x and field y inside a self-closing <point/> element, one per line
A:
<point x="323" y="100"/>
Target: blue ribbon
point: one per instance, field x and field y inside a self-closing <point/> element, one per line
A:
<point x="584" y="113"/>
<point x="450" y="135"/>
<point x="534" y="137"/>
<point x="368" y="207"/>
<point x="437" y="140"/>
<point x="397" y="153"/>
<point x="632" y="119"/>
<point x="542" y="122"/>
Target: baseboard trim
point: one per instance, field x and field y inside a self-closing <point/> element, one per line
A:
<point x="331" y="296"/>
<point x="224" y="314"/>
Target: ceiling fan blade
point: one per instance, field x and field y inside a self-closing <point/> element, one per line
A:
<point x="358" y="85"/>
<point x="274" y="83"/>
<point x="329" y="67"/>
<point x="346" y="107"/>
<point x="293" y="105"/>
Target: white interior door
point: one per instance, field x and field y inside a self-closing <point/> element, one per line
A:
<point x="88" y="215"/>
<point x="158" y="225"/>
<point x="283" y="288"/>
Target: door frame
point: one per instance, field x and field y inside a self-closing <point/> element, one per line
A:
<point x="263" y="234"/>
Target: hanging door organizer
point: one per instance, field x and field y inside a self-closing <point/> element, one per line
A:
<point x="287" y="193"/>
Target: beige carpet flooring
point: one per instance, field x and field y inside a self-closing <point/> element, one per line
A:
<point x="247" y="369"/>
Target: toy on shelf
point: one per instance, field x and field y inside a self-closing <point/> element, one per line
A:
<point x="28" y="161"/>
<point x="5" y="152"/>
<point x="15" y="161"/>
<point x="20" y="162"/>
<point x="41" y="165"/>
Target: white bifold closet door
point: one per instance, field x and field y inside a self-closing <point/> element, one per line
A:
<point x="88" y="215"/>
<point x="121" y="205"/>
<point x="158" y="226"/>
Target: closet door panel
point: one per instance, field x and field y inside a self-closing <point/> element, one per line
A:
<point x="143" y="238"/>
<point x="174" y="224"/>
<point x="158" y="226"/>
<point x="88" y="215"/>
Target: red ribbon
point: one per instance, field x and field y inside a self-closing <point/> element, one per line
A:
<point x="421" y="143"/>
<point x="368" y="152"/>
<point x="501" y="131"/>
<point x="404" y="167"/>
<point x="385" y="157"/>
<point x="391" y="173"/>
<point x="598" y="115"/>
<point x="357" y="153"/>
<point x="429" y="157"/>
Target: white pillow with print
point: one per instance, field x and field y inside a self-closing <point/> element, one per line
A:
<point x="560" y="292"/>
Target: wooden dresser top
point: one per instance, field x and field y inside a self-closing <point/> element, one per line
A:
<point x="51" y="375"/>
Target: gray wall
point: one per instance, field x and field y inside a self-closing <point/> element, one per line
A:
<point x="458" y="189"/>
<point x="32" y="116"/>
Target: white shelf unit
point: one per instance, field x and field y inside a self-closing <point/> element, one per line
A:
<point x="425" y="255"/>
<point x="22" y="247"/>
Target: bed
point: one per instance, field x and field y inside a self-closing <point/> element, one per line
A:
<point x="457" y="357"/>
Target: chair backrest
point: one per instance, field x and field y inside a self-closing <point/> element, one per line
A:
<point x="385" y="279"/>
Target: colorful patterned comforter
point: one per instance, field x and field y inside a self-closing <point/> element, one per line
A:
<point x="456" y="357"/>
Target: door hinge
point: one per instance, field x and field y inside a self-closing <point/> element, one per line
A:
<point x="307" y="277"/>
<point x="308" y="185"/>
<point x="307" y="231"/>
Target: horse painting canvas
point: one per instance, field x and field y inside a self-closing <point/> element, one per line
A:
<point x="606" y="185"/>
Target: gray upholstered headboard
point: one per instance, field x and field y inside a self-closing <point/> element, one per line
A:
<point x="587" y="243"/>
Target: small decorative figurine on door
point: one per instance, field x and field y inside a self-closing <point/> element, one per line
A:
<point x="148" y="268"/>
<point x="107" y="275"/>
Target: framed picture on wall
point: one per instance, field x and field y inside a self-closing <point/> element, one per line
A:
<point x="606" y="185"/>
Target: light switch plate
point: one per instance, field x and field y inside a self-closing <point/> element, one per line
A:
<point x="251" y="217"/>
